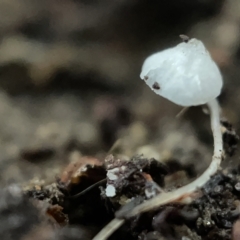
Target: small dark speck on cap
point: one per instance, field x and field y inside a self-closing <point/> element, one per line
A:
<point x="156" y="86"/>
<point x="145" y="78"/>
<point x="185" y="38"/>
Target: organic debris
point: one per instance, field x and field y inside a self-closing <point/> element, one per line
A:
<point x="55" y="212"/>
<point x="134" y="178"/>
<point x="81" y="174"/>
<point x="129" y="183"/>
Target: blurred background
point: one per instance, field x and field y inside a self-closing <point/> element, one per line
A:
<point x="70" y="86"/>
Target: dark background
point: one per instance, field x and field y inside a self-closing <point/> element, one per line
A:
<point x="69" y="81"/>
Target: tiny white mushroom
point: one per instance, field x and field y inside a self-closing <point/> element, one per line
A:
<point x="187" y="76"/>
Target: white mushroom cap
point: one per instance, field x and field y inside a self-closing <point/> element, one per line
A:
<point x="185" y="74"/>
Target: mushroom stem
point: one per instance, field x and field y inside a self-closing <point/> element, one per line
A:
<point x="182" y="194"/>
<point x="109" y="229"/>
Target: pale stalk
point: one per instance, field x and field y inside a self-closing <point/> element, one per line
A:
<point x="182" y="193"/>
